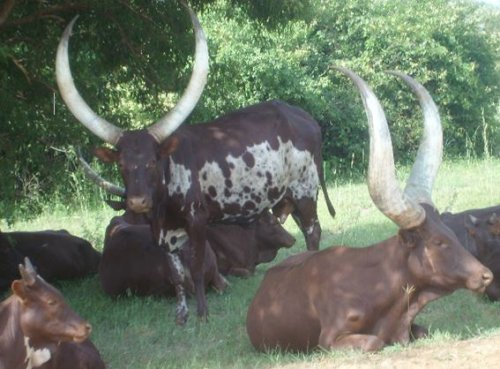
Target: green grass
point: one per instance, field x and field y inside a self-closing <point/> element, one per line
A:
<point x="139" y="333"/>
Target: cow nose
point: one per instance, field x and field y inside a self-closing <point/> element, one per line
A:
<point x="139" y="204"/>
<point x="487" y="277"/>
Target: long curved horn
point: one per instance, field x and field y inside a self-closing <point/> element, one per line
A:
<point x="27" y="272"/>
<point x="97" y="125"/>
<point x="98" y="180"/>
<point x="173" y="119"/>
<point x="382" y="184"/>
<point x="430" y="152"/>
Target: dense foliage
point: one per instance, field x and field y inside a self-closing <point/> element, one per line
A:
<point x="132" y="59"/>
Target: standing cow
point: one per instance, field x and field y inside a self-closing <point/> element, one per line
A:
<point x="479" y="232"/>
<point x="230" y="169"/>
<point x="368" y="298"/>
<point x="39" y="330"/>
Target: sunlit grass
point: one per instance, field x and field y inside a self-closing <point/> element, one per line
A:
<point x="139" y="333"/>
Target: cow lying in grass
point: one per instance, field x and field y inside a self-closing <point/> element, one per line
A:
<point x="368" y="298"/>
<point x="132" y="262"/>
<point x="39" y="330"/>
<point x="479" y="232"/>
<point x="56" y="255"/>
<point x="240" y="248"/>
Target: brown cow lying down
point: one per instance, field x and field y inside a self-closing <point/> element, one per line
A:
<point x="131" y="261"/>
<point x="479" y="232"/>
<point x="39" y="330"/>
<point x="55" y="254"/>
<point x="367" y="298"/>
<point x="240" y="248"/>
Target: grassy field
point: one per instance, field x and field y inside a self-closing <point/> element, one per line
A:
<point x="139" y="333"/>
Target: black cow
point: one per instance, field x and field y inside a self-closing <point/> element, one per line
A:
<point x="55" y="254"/>
<point x="229" y="170"/>
<point x="367" y="298"/>
<point x="479" y="232"/>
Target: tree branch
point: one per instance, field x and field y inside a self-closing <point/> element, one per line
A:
<point x="49" y="12"/>
<point x="5" y="10"/>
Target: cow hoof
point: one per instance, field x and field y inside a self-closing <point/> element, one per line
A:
<point x="181" y="316"/>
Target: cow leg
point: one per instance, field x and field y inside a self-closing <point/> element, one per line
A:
<point x="363" y="342"/>
<point x="197" y="236"/>
<point x="177" y="276"/>
<point x="417" y="332"/>
<point x="306" y="217"/>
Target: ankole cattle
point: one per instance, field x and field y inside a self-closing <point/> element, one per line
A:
<point x="479" y="232"/>
<point x="56" y="255"/>
<point x="130" y="258"/>
<point x="39" y="330"/>
<point x="132" y="262"/>
<point x="227" y="170"/>
<point x="367" y="298"/>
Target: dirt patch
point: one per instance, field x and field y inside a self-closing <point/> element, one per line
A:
<point x="468" y="354"/>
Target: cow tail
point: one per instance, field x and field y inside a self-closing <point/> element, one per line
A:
<point x="329" y="204"/>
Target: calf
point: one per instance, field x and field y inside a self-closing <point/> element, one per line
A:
<point x="131" y="261"/>
<point x="368" y="298"/>
<point x="39" y="330"/>
<point x="55" y="254"/>
<point x="479" y="232"/>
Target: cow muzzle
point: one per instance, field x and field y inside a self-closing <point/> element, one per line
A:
<point x="139" y="204"/>
<point x="480" y="281"/>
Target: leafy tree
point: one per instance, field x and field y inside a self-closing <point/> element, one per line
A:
<point x="132" y="59"/>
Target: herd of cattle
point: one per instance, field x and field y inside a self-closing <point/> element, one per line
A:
<point x="208" y="200"/>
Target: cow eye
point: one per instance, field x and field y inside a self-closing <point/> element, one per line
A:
<point x="52" y="302"/>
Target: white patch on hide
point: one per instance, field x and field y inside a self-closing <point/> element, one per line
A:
<point x="181" y="179"/>
<point x="297" y="173"/>
<point x="35" y="357"/>
<point x="173" y="239"/>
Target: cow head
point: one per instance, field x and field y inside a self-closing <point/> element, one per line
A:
<point x="485" y="233"/>
<point x="436" y="256"/>
<point x="45" y="316"/>
<point x="138" y="153"/>
<point x="270" y="236"/>
<point x="438" y="259"/>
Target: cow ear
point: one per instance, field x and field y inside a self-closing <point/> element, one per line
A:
<point x="169" y="146"/>
<point x="471" y="223"/>
<point x="106" y="155"/>
<point x="19" y="289"/>
<point x="408" y="238"/>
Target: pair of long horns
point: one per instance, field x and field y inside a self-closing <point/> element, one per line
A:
<point x="402" y="207"/>
<point x="161" y="129"/>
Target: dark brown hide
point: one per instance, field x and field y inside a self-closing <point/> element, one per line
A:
<point x="56" y="255"/>
<point x="240" y="248"/>
<point x="132" y="262"/>
<point x="230" y="170"/>
<point x="34" y="321"/>
<point x="479" y="232"/>
<point x="361" y="298"/>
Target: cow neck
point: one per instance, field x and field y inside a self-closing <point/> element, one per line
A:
<point x="20" y="352"/>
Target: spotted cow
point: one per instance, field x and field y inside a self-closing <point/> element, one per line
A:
<point x="227" y="170"/>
